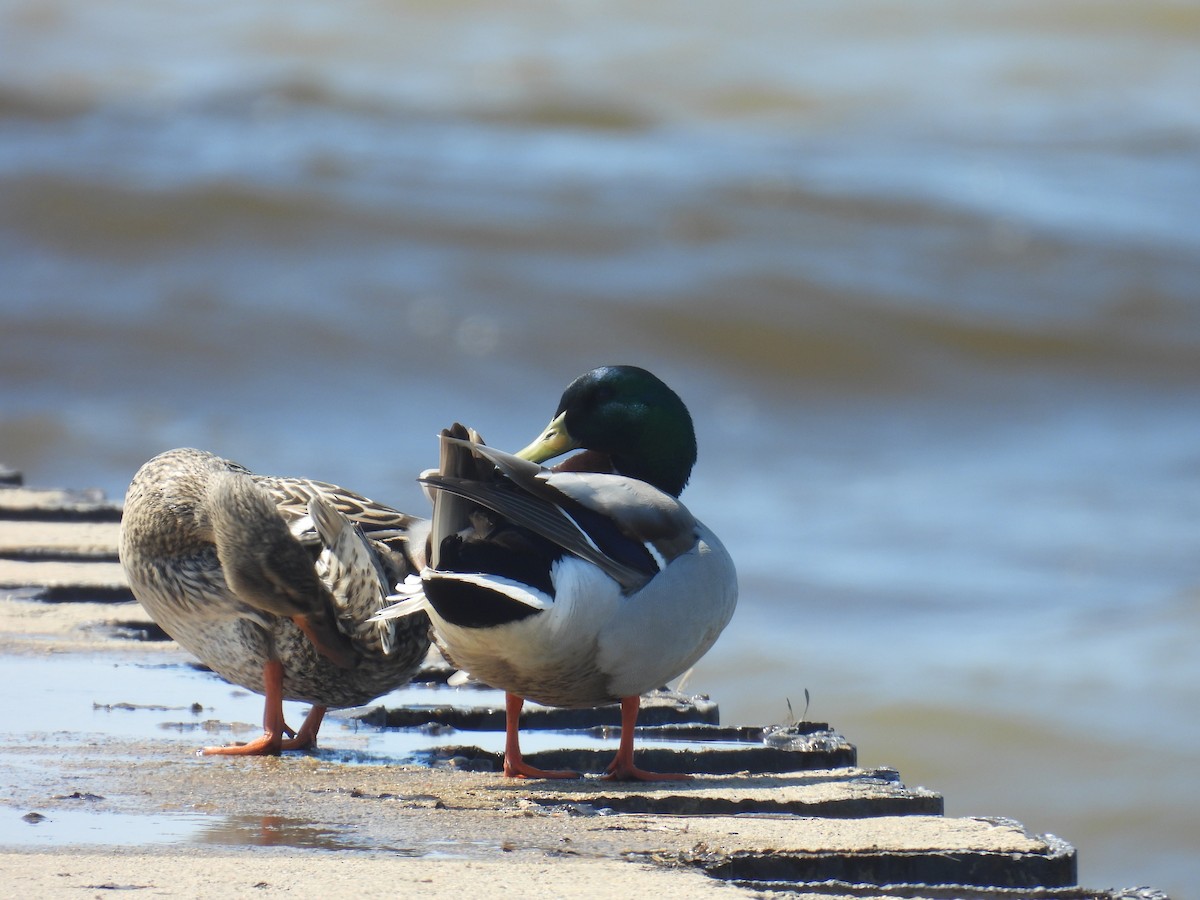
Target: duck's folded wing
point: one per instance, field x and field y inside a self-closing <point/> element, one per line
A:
<point x="267" y="568"/>
<point x="639" y="510"/>
<point x="626" y="527"/>
<point x="353" y="573"/>
<point x="451" y="512"/>
<point x="292" y="496"/>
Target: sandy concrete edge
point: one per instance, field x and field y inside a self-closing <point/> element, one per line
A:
<point x="201" y="873"/>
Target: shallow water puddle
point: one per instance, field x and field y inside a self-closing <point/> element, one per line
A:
<point x="72" y="694"/>
<point x="71" y="826"/>
<point x="279" y="831"/>
<point x="70" y="701"/>
<point x="61" y="698"/>
<point x="59" y="827"/>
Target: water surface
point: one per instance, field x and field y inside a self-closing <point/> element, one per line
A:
<point x="926" y="273"/>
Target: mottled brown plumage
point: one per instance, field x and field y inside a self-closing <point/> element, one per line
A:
<point x="271" y="581"/>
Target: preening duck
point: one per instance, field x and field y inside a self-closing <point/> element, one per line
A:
<point x="272" y="583"/>
<point x="582" y="585"/>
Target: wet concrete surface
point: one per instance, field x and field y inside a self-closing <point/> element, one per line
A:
<point x="101" y="746"/>
<point x="100" y="721"/>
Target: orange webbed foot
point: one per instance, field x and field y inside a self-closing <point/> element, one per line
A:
<point x="270" y="744"/>
<point x="273" y="740"/>
<point x="514" y="765"/>
<point x="522" y="769"/>
<point x="631" y="772"/>
<point x="622" y="767"/>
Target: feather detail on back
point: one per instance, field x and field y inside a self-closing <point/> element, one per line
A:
<point x="350" y="568"/>
<point x="292" y="496"/>
<point x="627" y="528"/>
<point x="408" y="599"/>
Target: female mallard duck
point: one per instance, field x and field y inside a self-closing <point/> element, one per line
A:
<point x="271" y="583"/>
<point x="586" y="584"/>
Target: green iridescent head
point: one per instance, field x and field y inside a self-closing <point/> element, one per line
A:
<point x="629" y="415"/>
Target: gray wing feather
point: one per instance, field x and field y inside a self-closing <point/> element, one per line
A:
<point x="532" y="496"/>
<point x="540" y="517"/>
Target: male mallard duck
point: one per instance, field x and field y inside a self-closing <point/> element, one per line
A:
<point x="271" y="583"/>
<point x="583" y="585"/>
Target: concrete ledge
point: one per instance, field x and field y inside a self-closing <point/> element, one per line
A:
<point x="60" y="546"/>
<point x="836" y="793"/>
<point x="658" y="708"/>
<point x="59" y="541"/>
<point x="913" y="850"/>
<point x="57" y="505"/>
<point x="711" y="760"/>
<point x="845" y="890"/>
<point x="66" y="581"/>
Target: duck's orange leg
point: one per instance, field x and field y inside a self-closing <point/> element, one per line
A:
<point x="514" y="766"/>
<point x="274" y="727"/>
<point x="306" y="737"/>
<point x="622" y="767"/>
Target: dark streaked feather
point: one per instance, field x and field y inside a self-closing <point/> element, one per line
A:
<point x="352" y="568"/>
<point x="469" y="605"/>
<point x="507" y="551"/>
<point x="642" y="512"/>
<point x="451" y="513"/>
<point x="551" y="522"/>
<point x="292" y="496"/>
<point x="607" y="520"/>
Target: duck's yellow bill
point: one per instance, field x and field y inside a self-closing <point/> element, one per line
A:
<point x="553" y="441"/>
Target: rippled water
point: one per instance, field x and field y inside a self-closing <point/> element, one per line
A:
<point x="926" y="274"/>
